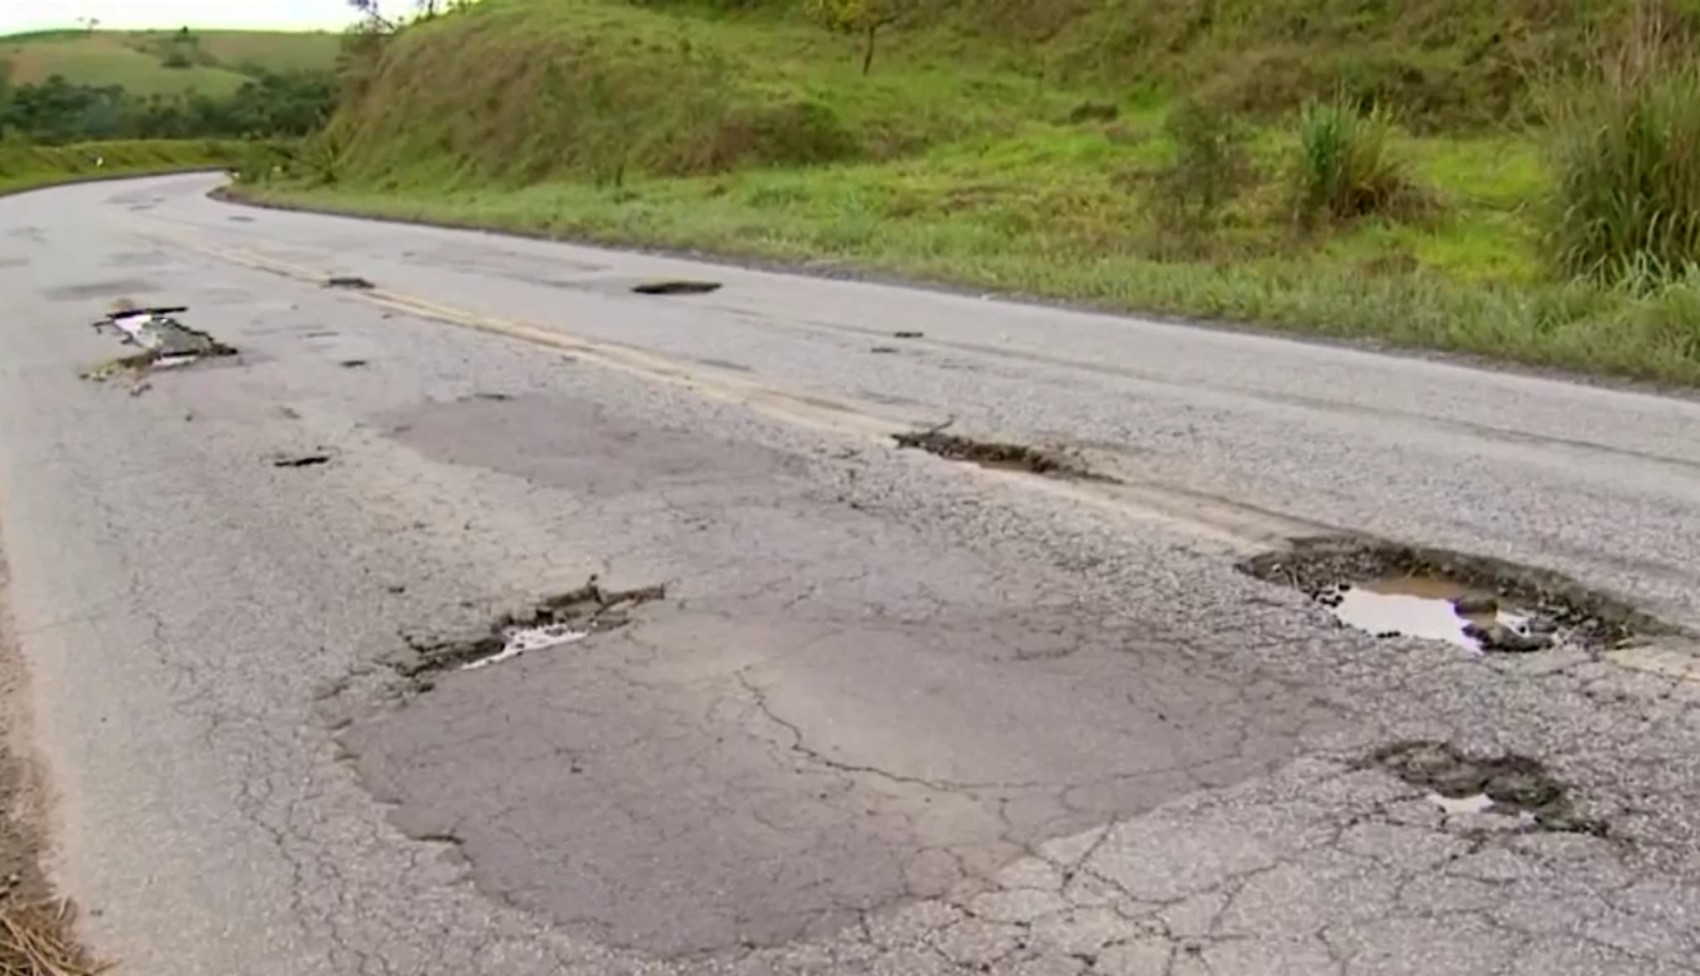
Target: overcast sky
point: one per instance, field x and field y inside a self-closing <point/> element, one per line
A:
<point x="22" y="15"/>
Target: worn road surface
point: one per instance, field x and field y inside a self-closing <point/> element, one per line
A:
<point x="895" y="713"/>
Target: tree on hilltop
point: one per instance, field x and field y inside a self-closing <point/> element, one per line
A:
<point x="865" y="18"/>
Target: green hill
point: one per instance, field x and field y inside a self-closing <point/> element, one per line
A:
<point x="159" y="62"/>
<point x="1372" y="168"/>
<point x="527" y="89"/>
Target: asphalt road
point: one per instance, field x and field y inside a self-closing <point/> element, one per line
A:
<point x="894" y="714"/>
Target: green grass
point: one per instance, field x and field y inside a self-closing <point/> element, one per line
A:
<point x="1044" y="215"/>
<point x="567" y="88"/>
<point x="133" y="59"/>
<point x="962" y="160"/>
<point x="33" y="167"/>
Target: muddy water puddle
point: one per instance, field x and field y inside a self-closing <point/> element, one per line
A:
<point x="1436" y="608"/>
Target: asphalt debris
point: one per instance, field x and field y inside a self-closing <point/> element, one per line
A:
<point x="354" y="363"/>
<point x="561" y="619"/>
<point x="354" y="282"/>
<point x="676" y="287"/>
<point x="301" y="461"/>
<point x="1508" y="784"/>
<point x="1490" y="605"/>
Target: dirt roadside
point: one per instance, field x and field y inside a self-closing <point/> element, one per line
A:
<point x="37" y="929"/>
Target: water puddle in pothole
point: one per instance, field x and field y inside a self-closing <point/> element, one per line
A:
<point x="564" y="619"/>
<point x="520" y="640"/>
<point x="1453" y="805"/>
<point x="162" y="340"/>
<point x="1436" y="608"/>
<point x="1387" y="588"/>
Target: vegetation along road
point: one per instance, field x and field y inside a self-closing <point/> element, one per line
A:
<point x="404" y="599"/>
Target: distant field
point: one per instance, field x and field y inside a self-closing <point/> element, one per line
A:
<point x="137" y="59"/>
<point x="32" y="167"/>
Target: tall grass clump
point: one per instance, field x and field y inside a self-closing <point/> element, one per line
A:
<point x="1347" y="165"/>
<point x="1625" y="156"/>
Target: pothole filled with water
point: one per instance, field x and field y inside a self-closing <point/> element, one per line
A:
<point x="1436" y="608"/>
<point x="1474" y="602"/>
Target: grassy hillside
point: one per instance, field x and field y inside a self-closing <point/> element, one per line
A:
<point x="142" y="62"/>
<point x="32" y="167"/>
<point x="1146" y="154"/>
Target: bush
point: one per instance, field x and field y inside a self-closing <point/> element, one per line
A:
<point x="1347" y="167"/>
<point x="1210" y="168"/>
<point x="1625" y="205"/>
<point x="801" y="132"/>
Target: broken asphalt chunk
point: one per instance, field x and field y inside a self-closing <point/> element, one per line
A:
<point x="354" y="282"/>
<point x="301" y="461"/>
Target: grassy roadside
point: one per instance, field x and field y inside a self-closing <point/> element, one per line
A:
<point x="1044" y="218"/>
<point x="24" y="167"/>
<point x="974" y="157"/>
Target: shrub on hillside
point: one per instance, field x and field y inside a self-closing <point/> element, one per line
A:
<point x="1347" y="166"/>
<point x="798" y="132"/>
<point x="1210" y="168"/>
<point x="1625" y="206"/>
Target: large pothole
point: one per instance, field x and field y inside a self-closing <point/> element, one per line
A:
<point x="1507" y="785"/>
<point x="162" y="341"/>
<point x="1483" y="604"/>
<point x="998" y="455"/>
<point x="564" y="619"/>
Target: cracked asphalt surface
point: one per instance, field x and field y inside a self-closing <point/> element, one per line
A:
<point x="895" y="715"/>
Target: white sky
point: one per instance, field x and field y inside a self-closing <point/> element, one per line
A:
<point x="22" y="15"/>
